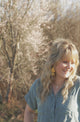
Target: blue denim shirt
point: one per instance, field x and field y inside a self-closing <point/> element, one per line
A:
<point x="52" y="109"/>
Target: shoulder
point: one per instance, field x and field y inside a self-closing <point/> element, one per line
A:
<point x="77" y="84"/>
<point x="78" y="88"/>
<point x="32" y="91"/>
<point x="78" y="80"/>
<point x="36" y="84"/>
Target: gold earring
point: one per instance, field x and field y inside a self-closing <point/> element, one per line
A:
<point x="53" y="71"/>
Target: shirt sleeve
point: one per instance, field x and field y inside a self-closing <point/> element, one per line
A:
<point x="31" y="96"/>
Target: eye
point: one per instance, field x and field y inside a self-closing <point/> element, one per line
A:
<point x="65" y="62"/>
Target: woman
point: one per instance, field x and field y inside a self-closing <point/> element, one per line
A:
<point x="56" y="95"/>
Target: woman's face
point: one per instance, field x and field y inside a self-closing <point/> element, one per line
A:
<point x="64" y="69"/>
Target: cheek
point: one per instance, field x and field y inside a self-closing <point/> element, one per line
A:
<point x="73" y="67"/>
<point x="59" y="67"/>
<point x="62" y="66"/>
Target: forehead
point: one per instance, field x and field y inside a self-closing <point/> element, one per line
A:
<point x="69" y="56"/>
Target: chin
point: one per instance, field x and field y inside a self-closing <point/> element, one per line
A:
<point x="66" y="75"/>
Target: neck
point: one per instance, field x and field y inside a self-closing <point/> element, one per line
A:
<point x="58" y="81"/>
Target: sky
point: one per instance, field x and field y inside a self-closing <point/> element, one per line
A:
<point x="67" y="3"/>
<point x="64" y="3"/>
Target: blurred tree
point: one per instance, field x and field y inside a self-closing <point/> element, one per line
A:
<point x="17" y="20"/>
<point x="63" y="21"/>
<point x="27" y="29"/>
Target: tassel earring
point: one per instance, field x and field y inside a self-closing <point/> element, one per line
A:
<point x="53" y="71"/>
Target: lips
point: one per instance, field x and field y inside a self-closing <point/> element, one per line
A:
<point x="66" y="70"/>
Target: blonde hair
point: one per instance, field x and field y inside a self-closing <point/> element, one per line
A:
<point x="61" y="48"/>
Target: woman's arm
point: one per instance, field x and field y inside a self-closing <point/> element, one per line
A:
<point x="28" y="114"/>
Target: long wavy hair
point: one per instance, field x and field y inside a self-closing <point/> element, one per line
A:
<point x="61" y="49"/>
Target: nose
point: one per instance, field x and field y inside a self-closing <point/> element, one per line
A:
<point x="69" y="65"/>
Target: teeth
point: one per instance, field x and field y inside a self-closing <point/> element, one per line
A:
<point x="66" y="70"/>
